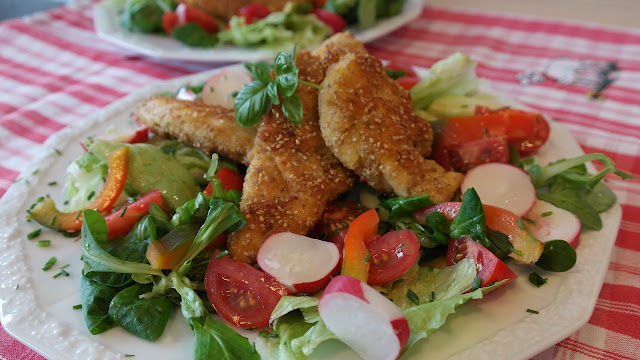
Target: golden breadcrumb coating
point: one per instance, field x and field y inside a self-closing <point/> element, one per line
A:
<point x="212" y="129"/>
<point x="367" y="121"/>
<point x="292" y="175"/>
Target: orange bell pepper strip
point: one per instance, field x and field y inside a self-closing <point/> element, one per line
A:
<point x="361" y="232"/>
<point x="47" y="214"/>
<point x="496" y="219"/>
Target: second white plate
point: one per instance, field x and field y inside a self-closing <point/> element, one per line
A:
<point x="105" y="16"/>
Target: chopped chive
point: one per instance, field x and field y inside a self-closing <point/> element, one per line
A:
<point x="52" y="183"/>
<point x="78" y="214"/>
<point x="476" y="283"/>
<point x="263" y="333"/>
<point x="344" y="223"/>
<point x="36" y="171"/>
<point x="413" y="296"/>
<point x="34" y="234"/>
<point x="53" y="220"/>
<point x="253" y="347"/>
<point x="43" y="243"/>
<point x="536" y="279"/>
<point x="64" y="266"/>
<point x="397" y="250"/>
<point x="76" y="307"/>
<point x="433" y="296"/>
<point x="222" y="254"/>
<point x="367" y="258"/>
<point x="545" y="214"/>
<point x="274" y="335"/>
<point x="530" y="221"/>
<point x="129" y="355"/>
<point x="17" y="286"/>
<point x="533" y="311"/>
<point x="49" y="263"/>
<point x="520" y="224"/>
<point x="91" y="194"/>
<point x="27" y="182"/>
<point x="124" y="210"/>
<point x="516" y="251"/>
<point x="329" y="219"/>
<point x="62" y="272"/>
<point x="66" y="202"/>
<point x="57" y="151"/>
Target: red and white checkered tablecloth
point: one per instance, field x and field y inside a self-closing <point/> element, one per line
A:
<point x="55" y="71"/>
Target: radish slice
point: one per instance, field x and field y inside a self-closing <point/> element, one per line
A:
<point x="220" y="90"/>
<point x="502" y="185"/>
<point x="549" y="222"/>
<point x="300" y="263"/>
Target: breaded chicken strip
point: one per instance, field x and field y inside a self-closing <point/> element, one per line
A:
<point x="212" y="129"/>
<point x="341" y="44"/>
<point x="367" y="121"/>
<point x="292" y="175"/>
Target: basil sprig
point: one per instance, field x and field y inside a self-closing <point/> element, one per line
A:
<point x="257" y="98"/>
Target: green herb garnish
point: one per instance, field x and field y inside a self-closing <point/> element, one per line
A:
<point x="49" y="263"/>
<point x="536" y="279"/>
<point x="43" y="243"/>
<point x="477" y="282"/>
<point x="413" y="296"/>
<point x="533" y="311"/>
<point x="34" y="234"/>
<point x="545" y="214"/>
<point x="76" y="307"/>
<point x="257" y="98"/>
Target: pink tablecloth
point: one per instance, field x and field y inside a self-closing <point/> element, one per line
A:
<point x="54" y="71"/>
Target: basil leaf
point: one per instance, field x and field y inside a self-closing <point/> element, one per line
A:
<point x="144" y="318"/>
<point x="272" y="91"/>
<point x="259" y="72"/>
<point x="558" y="256"/>
<point x="286" y="73"/>
<point x="252" y="103"/>
<point x="292" y="109"/>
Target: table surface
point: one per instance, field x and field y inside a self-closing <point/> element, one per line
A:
<point x="54" y="71"/>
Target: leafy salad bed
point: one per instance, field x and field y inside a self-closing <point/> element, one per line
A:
<point x="121" y="288"/>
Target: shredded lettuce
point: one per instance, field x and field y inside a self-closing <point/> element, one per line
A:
<point x="300" y="329"/>
<point x="454" y="75"/>
<point x="278" y="31"/>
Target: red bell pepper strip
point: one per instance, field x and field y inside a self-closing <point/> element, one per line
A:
<point x="361" y="232"/>
<point x="122" y="221"/>
<point x="46" y="213"/>
<point x="496" y="219"/>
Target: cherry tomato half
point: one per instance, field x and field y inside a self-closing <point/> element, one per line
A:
<point x="337" y="216"/>
<point x="490" y="268"/>
<point x="185" y="14"/>
<point x="392" y="255"/>
<point x="464" y="156"/>
<point x="240" y="293"/>
<point x="253" y="12"/>
<point x="334" y="21"/>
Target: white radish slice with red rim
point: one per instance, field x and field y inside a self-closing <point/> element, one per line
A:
<point x="300" y="263"/>
<point x="132" y="136"/>
<point x="548" y="222"/>
<point x="363" y="319"/>
<point x="502" y="185"/>
<point x="222" y="87"/>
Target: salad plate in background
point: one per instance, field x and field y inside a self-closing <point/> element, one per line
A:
<point x="107" y="26"/>
<point x="38" y="309"/>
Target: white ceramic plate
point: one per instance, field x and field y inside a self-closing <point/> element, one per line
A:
<point x="105" y="17"/>
<point x="37" y="309"/>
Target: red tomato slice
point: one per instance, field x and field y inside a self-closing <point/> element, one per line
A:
<point x="169" y="21"/>
<point x="229" y="179"/>
<point x="334" y="21"/>
<point x="408" y="82"/>
<point x="490" y="268"/>
<point x="464" y="156"/>
<point x="524" y="130"/>
<point x="121" y="225"/>
<point x="253" y="12"/>
<point x="392" y="255"/>
<point x="187" y="14"/>
<point x="240" y="293"/>
<point x="337" y="216"/>
<point x="410" y="79"/>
